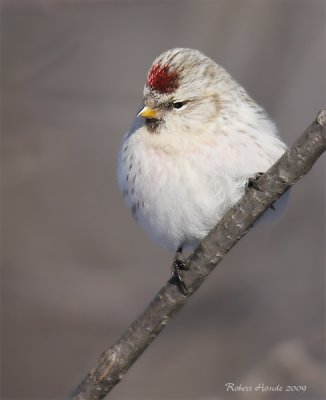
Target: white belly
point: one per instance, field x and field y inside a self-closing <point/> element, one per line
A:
<point x="177" y="199"/>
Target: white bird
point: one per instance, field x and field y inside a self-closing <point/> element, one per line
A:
<point x="192" y="149"/>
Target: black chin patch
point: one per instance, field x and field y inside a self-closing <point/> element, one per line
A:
<point x="153" y="125"/>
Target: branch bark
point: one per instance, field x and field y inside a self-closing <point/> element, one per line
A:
<point x="295" y="163"/>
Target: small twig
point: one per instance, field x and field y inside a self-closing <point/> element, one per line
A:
<point x="294" y="164"/>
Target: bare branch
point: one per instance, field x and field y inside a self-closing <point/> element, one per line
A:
<point x="294" y="164"/>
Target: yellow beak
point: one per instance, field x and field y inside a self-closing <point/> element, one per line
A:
<point x="147" y="112"/>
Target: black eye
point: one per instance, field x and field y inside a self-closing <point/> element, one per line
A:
<point x="177" y="105"/>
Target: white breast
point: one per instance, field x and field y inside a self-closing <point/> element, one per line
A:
<point x="179" y="191"/>
<point x="176" y="198"/>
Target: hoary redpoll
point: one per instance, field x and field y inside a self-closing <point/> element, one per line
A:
<point x="192" y="148"/>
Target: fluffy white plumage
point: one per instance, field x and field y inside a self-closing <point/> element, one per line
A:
<point x="185" y="164"/>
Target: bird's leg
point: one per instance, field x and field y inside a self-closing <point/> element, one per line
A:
<point x="178" y="265"/>
<point x="252" y="183"/>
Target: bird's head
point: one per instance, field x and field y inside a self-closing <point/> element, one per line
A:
<point x="181" y="93"/>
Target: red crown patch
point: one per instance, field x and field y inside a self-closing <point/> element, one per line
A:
<point x="161" y="79"/>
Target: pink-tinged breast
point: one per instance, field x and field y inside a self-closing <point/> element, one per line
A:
<point x="162" y="79"/>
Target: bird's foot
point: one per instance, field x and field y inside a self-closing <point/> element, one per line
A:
<point x="252" y="183"/>
<point x="177" y="266"/>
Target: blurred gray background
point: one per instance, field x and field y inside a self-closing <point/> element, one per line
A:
<point x="76" y="269"/>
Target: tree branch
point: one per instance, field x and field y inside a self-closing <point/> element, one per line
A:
<point x="294" y="164"/>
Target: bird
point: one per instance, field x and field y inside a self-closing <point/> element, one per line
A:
<point x="192" y="149"/>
